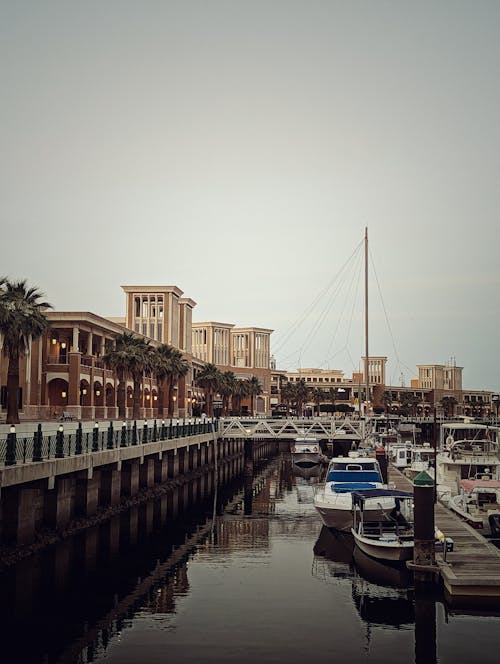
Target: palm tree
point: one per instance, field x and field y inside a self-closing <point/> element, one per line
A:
<point x="241" y="390"/>
<point x="318" y="396"/>
<point x="226" y="389"/>
<point x="254" y="389"/>
<point x="449" y="403"/>
<point x="132" y="356"/>
<point x="21" y="320"/>
<point x="169" y="365"/>
<point x="386" y="399"/>
<point x="333" y="394"/>
<point x="301" y="395"/>
<point x="287" y="395"/>
<point x="209" y="378"/>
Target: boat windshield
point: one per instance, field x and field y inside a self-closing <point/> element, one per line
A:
<point x="351" y="476"/>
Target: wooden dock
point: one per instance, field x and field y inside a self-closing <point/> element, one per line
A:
<point x="472" y="570"/>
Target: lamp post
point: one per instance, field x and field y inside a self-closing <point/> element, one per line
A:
<point x="60" y="442"/>
<point x="95" y="437"/>
<point x="10" y="455"/>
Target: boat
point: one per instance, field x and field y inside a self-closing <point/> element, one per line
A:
<point x="421" y="458"/>
<point x="389" y="538"/>
<point x="305" y="452"/>
<point x="468" y="450"/>
<point x="478" y="502"/>
<point x="345" y="475"/>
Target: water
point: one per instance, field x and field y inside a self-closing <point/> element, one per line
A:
<point x="263" y="582"/>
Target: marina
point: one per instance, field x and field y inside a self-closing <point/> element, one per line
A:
<point x="259" y="578"/>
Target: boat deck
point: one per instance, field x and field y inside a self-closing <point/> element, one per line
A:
<point x="472" y="569"/>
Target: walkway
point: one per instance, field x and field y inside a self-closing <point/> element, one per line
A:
<point x="472" y="569"/>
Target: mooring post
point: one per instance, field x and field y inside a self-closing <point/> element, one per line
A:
<point x="424" y="560"/>
<point x="381" y="457"/>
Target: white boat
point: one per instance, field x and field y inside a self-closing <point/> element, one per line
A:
<point x="333" y="499"/>
<point x="478" y="502"/>
<point x="390" y="538"/>
<point x="468" y="450"/>
<point x="306" y="452"/>
<point x="421" y="458"/>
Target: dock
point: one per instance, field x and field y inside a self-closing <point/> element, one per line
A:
<point x="471" y="572"/>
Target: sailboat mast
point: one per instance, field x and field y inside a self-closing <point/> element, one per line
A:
<point x="367" y="378"/>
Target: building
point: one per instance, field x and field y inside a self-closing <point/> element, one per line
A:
<point x="243" y="350"/>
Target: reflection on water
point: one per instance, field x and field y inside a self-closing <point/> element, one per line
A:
<point x="262" y="580"/>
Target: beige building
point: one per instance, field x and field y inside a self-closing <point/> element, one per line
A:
<point x="243" y="350"/>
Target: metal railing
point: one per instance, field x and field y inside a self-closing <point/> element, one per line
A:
<point x="37" y="446"/>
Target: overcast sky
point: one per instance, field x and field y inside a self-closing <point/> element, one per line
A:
<point x="237" y="149"/>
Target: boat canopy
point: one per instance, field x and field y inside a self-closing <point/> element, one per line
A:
<point x="359" y="496"/>
<point x="354" y="476"/>
<point x="471" y="484"/>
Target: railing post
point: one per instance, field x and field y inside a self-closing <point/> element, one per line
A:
<point x="123" y="440"/>
<point x="163" y="429"/>
<point x="134" y="433"/>
<point x="110" y="443"/>
<point x="170" y="430"/>
<point x="60" y="442"/>
<point x="10" y="455"/>
<point x="37" y="444"/>
<point x="155" y="432"/>
<point x="95" y="437"/>
<point x="145" y="432"/>
<point x="79" y="439"/>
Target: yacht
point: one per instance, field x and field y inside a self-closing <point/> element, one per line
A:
<point x="333" y="499"/>
<point x="305" y="452"/>
<point x="468" y="450"/>
<point x="478" y="502"/>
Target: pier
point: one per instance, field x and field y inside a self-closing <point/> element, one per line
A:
<point x="49" y="477"/>
<point x="470" y="572"/>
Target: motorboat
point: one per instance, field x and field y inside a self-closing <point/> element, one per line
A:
<point x="333" y="498"/>
<point x="421" y="458"/>
<point x="478" y="502"/>
<point x="390" y="538"/>
<point x="306" y="452"/>
<point x="468" y="450"/>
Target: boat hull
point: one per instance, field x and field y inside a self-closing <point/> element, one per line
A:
<point x="385" y="550"/>
<point x="340" y="517"/>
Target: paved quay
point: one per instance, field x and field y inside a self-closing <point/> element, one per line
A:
<point x="472" y="569"/>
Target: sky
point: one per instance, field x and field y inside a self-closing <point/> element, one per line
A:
<point x="238" y="149"/>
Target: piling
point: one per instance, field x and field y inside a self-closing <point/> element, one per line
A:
<point x="381" y="456"/>
<point x="424" y="560"/>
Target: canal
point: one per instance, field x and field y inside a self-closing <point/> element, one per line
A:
<point x="248" y="577"/>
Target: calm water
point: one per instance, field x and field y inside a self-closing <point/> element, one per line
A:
<point x="262" y="582"/>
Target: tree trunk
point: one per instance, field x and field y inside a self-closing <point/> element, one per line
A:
<point x="13" y="390"/>
<point x="161" y="397"/>
<point x="170" y="398"/>
<point x="137" y="398"/>
<point x="121" y="395"/>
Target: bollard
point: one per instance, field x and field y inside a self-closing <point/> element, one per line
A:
<point x="123" y="440"/>
<point x="37" y="444"/>
<point x="381" y="457"/>
<point x="95" y="437"/>
<point x="79" y="439"/>
<point x="110" y="441"/>
<point x="424" y="559"/>
<point x="60" y="442"/>
<point x="10" y="454"/>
